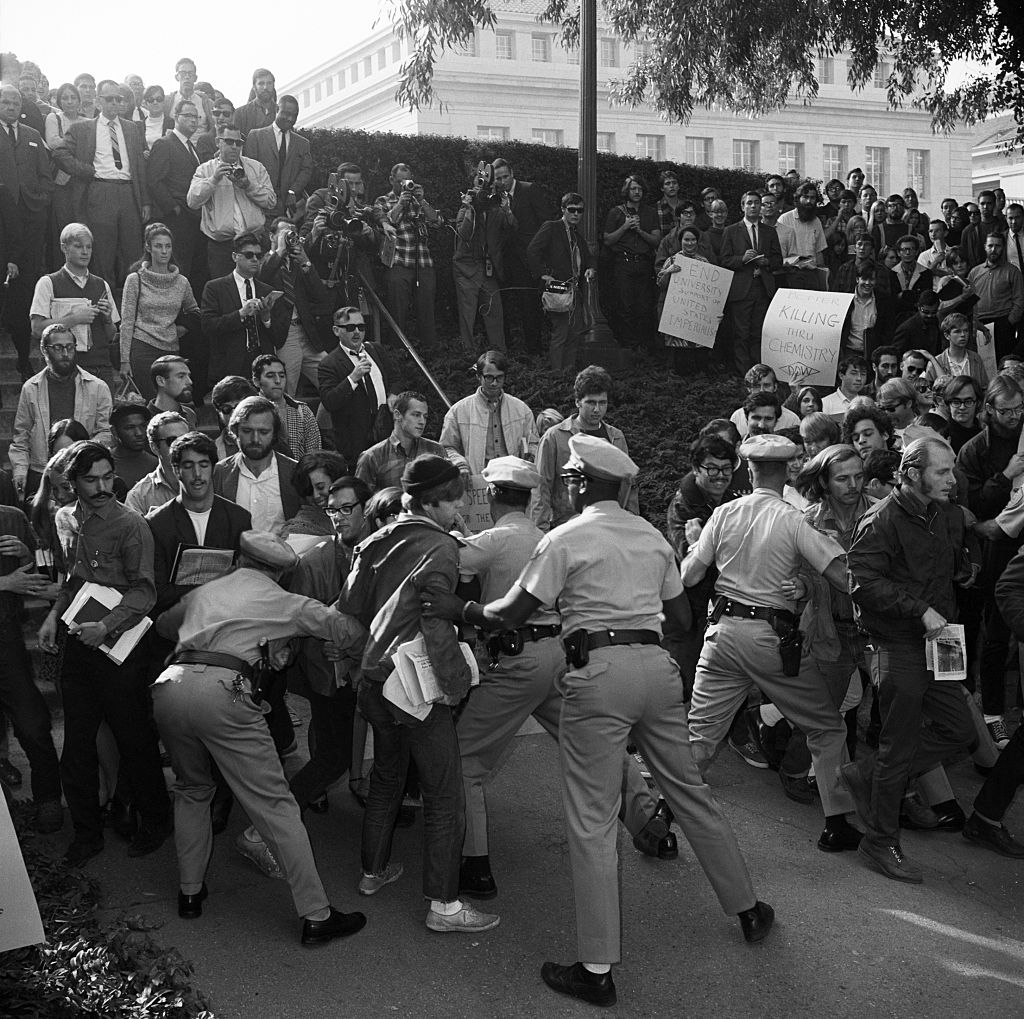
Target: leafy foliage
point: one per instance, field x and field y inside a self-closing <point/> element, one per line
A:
<point x="83" y="969"/>
<point x="757" y="56"/>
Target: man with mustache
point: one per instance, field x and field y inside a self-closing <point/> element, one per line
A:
<point x="802" y="239"/>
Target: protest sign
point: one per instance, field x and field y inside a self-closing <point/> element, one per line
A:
<point x="694" y="301"/>
<point x="19" y="915"/>
<point x="476" y="512"/>
<point x="801" y="336"/>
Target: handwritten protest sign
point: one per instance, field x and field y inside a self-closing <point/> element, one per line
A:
<point x="801" y="335"/>
<point x="694" y="301"/>
<point x="476" y="512"/>
<point x="19" y="915"/>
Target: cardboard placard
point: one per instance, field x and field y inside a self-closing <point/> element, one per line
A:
<point x="801" y="335"/>
<point x="695" y="300"/>
<point x="476" y="512"/>
<point x="20" y="924"/>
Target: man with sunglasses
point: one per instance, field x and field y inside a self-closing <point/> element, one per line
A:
<point x="234" y="193"/>
<point x="357" y="386"/>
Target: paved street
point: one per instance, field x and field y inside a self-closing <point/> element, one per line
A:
<point x="847" y="942"/>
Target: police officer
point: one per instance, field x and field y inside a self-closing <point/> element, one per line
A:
<point x="758" y="543"/>
<point x="612" y="575"/>
<point x="525" y="664"/>
<point x="204" y="707"/>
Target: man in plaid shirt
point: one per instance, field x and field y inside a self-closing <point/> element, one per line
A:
<point x="298" y="424"/>
<point x="411" y="272"/>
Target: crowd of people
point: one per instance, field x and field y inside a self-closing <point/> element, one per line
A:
<point x="813" y="545"/>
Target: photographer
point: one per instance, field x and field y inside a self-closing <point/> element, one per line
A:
<point x="338" y="254"/>
<point x="287" y="267"/>
<point x="410" y="269"/>
<point x="483" y="227"/>
<point x="234" y="193"/>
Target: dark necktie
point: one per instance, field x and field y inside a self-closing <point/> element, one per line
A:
<point x="192" y="150"/>
<point x="1020" y="257"/>
<point x="282" y="155"/>
<point x="115" y="149"/>
<point x="575" y="250"/>
<point x="753" y="230"/>
<point x="252" y="341"/>
<point x="14" y="137"/>
<point x="368" y="390"/>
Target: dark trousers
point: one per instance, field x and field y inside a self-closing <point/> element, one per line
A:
<point x="1001" y="786"/>
<point x="406" y="285"/>
<point x="434" y="748"/>
<point x="634" y="301"/>
<point x="330" y="745"/>
<point x="521" y="303"/>
<point x="907" y="696"/>
<point x="1003" y="333"/>
<point x="746" y="316"/>
<point x="95" y="689"/>
<point x="567" y="330"/>
<point x="30" y="718"/>
<point x="32" y="227"/>
<point x="116" y="224"/>
<point x="218" y="259"/>
<point x="189" y="242"/>
<point x="996" y="645"/>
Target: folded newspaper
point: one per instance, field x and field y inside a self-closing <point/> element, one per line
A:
<point x="413" y="686"/>
<point x="946" y="654"/>
<point x="92" y="604"/>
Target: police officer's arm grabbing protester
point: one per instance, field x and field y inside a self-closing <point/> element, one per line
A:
<point x="612" y="576"/>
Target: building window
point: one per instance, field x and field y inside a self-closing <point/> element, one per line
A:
<point x="382" y="59"/>
<point x="305" y="97"/>
<point x="827" y="71"/>
<point x="745" y="155"/>
<point x="791" y="157"/>
<point x="468" y="48"/>
<point x="367" y="66"/>
<point x="918" y="175"/>
<point x="650" y="146"/>
<point x="353" y="73"/>
<point x="487" y="132"/>
<point x="644" y="51"/>
<point x="876" y="168"/>
<point x="396" y="51"/>
<point x="572" y="56"/>
<point x="698" y="151"/>
<point x="505" y="45"/>
<point x="341" y="80"/>
<point x="609" y="53"/>
<point x="547" y="136"/>
<point x="881" y="74"/>
<point x="318" y="92"/>
<point x="605" y="141"/>
<point x="329" y="86"/>
<point x="833" y="161"/>
<point x="540" y="48"/>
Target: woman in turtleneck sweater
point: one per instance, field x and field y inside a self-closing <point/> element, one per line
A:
<point x="155" y="296"/>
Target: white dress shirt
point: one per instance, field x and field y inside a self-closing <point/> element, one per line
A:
<point x="103" y="161"/>
<point x="261" y="496"/>
<point x="376" y="377"/>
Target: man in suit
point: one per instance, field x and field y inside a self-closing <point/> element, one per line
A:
<point x="25" y="173"/>
<point x="261" y="111"/>
<point x="751" y="250"/>
<point x="357" y="385"/>
<point x="921" y="330"/>
<point x="530" y="209"/>
<point x="560" y="252"/>
<point x="105" y="160"/>
<point x="908" y="280"/>
<point x="285" y="154"/>
<point x="257" y="477"/>
<point x="173" y="161"/>
<point x="239" y="318"/>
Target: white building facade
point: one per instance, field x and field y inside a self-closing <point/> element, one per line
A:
<point x="518" y="83"/>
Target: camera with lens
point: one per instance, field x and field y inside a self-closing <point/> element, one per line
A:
<point x="236" y="173"/>
<point x="342" y="212"/>
<point x="484" y="176"/>
<point x="409" y="187"/>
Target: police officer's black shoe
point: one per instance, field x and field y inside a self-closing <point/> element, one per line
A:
<point x="577" y="982"/>
<point x="475" y="878"/>
<point x="190" y="907"/>
<point x="657" y="839"/>
<point x="839" y="836"/>
<point x="337" y="925"/>
<point x="757" y="922"/>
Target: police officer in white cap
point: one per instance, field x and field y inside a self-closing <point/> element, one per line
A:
<point x="759" y="542"/>
<point x="612" y="575"/>
<point x="204" y="708"/>
<point x="523" y="666"/>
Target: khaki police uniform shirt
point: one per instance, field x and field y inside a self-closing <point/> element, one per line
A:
<point x="757" y="542"/>
<point x="606" y="569"/>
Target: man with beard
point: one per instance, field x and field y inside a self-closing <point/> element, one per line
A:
<point x="258" y="478"/>
<point x="61" y="390"/>
<point x="1000" y="289"/>
<point x="159" y="486"/>
<point x="104" y="543"/>
<point x="908" y="556"/>
<point x="802" y="239"/>
<point x="298" y="425"/>
<point x="133" y="459"/>
<point x="383" y="464"/>
<point x="263" y="108"/>
<point x="977" y="232"/>
<point x="887" y="233"/>
<point x="992" y="465"/>
<point x="172" y="381"/>
<point x="886" y="363"/>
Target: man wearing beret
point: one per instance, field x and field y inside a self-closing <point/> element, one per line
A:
<point x="204" y="707"/>
<point x="416" y="555"/>
<point x="525" y="664"/>
<point x="758" y="543"/>
<point x="612" y="575"/>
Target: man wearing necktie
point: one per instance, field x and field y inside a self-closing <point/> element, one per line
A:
<point x="357" y="387"/>
<point x="173" y="161"/>
<point x="105" y="159"/>
<point x="285" y="154"/>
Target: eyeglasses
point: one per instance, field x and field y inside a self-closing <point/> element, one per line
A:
<point x="716" y="472"/>
<point x="249" y="254"/>
<point x="493" y="378"/>
<point x="350" y="327"/>
<point x="190" y="116"/>
<point x="61" y="348"/>
<point x="888" y="407"/>
<point x="1009" y="412"/>
<point x="344" y="510"/>
<point x="967" y="401"/>
<point x="576" y="209"/>
<point x="222" y="113"/>
<point x="230" y="141"/>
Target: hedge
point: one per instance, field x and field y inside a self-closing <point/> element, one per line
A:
<point x="445" y="166"/>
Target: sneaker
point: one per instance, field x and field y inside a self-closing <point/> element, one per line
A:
<point x="468" y="920"/>
<point x="370" y="884"/>
<point x="645" y="772"/>
<point x="994" y="837"/>
<point x="259" y="854"/>
<point x="749" y="752"/>
<point x="997" y="730"/>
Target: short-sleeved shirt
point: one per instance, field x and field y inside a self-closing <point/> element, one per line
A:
<point x="604" y="569"/>
<point x="757" y="542"/>
<point x="497" y="556"/>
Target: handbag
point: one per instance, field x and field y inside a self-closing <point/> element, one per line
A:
<point x="558" y="298"/>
